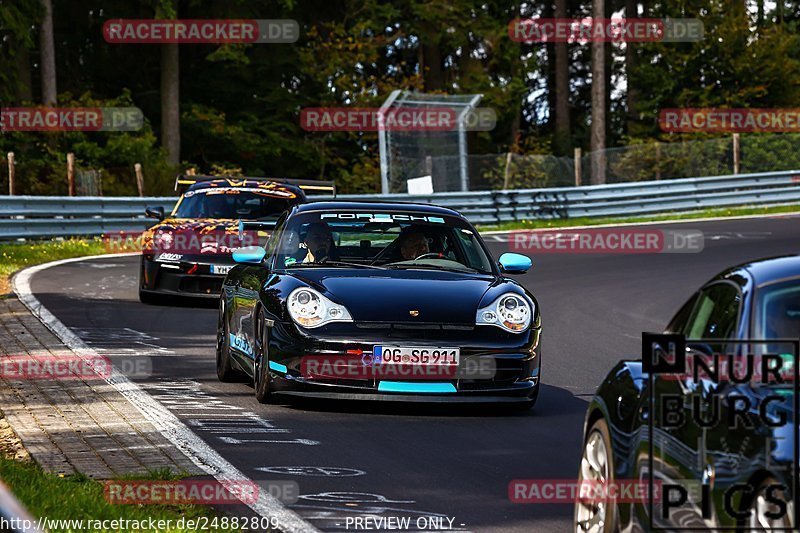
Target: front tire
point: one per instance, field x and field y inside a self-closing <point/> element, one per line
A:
<point x="261" y="379"/>
<point x="225" y="371"/>
<point x="597" y="469"/>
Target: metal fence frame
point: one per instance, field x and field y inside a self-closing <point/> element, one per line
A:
<point x="32" y="217"/>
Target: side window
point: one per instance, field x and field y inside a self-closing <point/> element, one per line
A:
<point x="471" y="247"/>
<point x="716" y="313"/>
<point x="272" y="242"/>
<point x="681" y="318"/>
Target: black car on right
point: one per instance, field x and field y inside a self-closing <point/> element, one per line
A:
<point x="704" y="426"/>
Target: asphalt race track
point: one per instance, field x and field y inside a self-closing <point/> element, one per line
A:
<point x="417" y="461"/>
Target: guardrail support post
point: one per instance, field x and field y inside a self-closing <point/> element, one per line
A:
<point x="658" y="160"/>
<point x="71" y="173"/>
<point x="11" y="173"/>
<point x="507" y="172"/>
<point x="736" y="153"/>
<point x="577" y="167"/>
<point x="137" y="168"/>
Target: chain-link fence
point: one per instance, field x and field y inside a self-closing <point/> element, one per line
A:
<point x="656" y="161"/>
<point x="636" y="162"/>
<point x="413" y="152"/>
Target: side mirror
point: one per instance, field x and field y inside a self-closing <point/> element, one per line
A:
<point x="249" y="254"/>
<point x="154" y="212"/>
<point x="514" y="263"/>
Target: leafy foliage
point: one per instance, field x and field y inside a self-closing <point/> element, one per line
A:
<point x="240" y="104"/>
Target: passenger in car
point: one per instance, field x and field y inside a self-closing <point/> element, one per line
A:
<point x="319" y="244"/>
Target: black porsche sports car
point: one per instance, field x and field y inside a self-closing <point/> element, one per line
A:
<point x="188" y="252"/>
<point x="707" y="420"/>
<point x="379" y="301"/>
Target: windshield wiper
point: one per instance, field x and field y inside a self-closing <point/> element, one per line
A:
<point x="338" y="263"/>
<point x="434" y="267"/>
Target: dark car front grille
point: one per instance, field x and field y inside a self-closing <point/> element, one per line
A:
<point x="398" y="331"/>
<point x="414" y="326"/>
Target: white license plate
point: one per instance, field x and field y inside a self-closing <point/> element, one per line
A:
<point x="407" y="355"/>
<point x="221" y="269"/>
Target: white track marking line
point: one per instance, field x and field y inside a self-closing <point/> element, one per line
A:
<point x="164" y="421"/>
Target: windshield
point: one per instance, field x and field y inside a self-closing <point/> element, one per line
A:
<point x="233" y="203"/>
<point x="393" y="240"/>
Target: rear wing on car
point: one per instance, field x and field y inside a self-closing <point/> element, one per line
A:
<point x="184" y="181"/>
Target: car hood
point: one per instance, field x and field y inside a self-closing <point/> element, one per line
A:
<point x="391" y="295"/>
<point x="197" y="237"/>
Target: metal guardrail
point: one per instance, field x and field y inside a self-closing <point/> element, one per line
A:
<point x="32" y="217"/>
<point x="55" y="216"/>
<point x="618" y="199"/>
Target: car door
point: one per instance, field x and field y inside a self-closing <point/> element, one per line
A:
<point x="247" y="293"/>
<point x="689" y="453"/>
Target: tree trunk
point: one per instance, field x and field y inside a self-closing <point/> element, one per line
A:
<point x="48" y="55"/>
<point x="562" y="136"/>
<point x="431" y="66"/>
<point x="632" y="96"/>
<point x="598" y="130"/>
<point x="24" y="79"/>
<point x="170" y="103"/>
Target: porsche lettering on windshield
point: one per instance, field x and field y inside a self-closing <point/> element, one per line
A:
<point x="382" y="217"/>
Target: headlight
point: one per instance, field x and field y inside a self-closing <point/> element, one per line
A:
<point x="511" y="312"/>
<point x="310" y="309"/>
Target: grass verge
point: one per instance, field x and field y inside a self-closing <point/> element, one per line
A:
<point x="80" y="498"/>
<point x="74" y="497"/>
<point x="16" y="256"/>
<point x="705" y="213"/>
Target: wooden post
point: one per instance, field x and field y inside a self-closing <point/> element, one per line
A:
<point x="658" y="161"/>
<point x="507" y="172"/>
<point x="736" y="153"/>
<point x="11" y="173"/>
<point x="577" y="167"/>
<point x="137" y="168"/>
<point x="71" y="173"/>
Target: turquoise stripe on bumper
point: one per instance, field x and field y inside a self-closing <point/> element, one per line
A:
<point x="404" y="386"/>
<point x="277" y="367"/>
